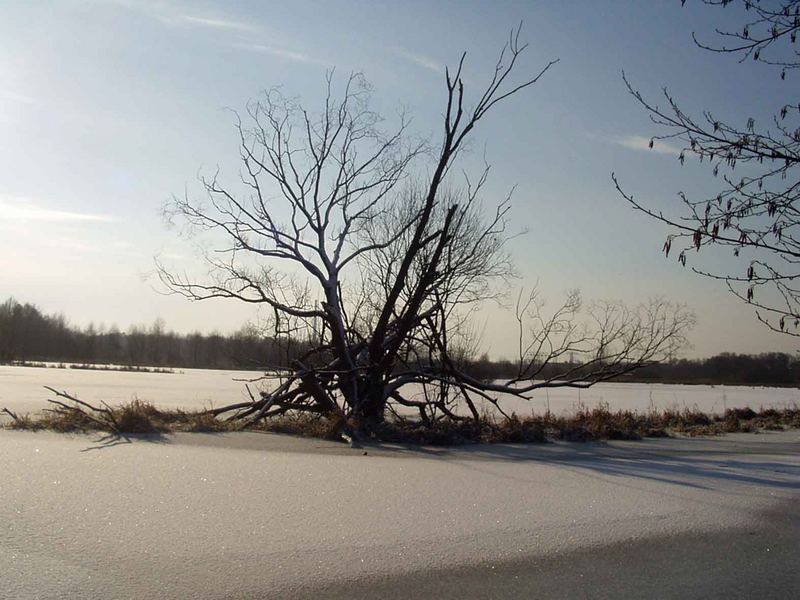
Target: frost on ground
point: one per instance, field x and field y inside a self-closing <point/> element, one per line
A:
<point x="239" y="515"/>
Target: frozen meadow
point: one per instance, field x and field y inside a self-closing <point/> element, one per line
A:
<point x="22" y="390"/>
<point x="252" y="515"/>
<point x="249" y="514"/>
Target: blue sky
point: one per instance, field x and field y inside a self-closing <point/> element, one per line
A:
<point x="109" y="107"/>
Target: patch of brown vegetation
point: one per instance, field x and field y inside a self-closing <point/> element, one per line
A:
<point x="601" y="423"/>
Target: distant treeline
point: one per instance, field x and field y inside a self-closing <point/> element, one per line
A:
<point x="772" y="368"/>
<point x="26" y="334"/>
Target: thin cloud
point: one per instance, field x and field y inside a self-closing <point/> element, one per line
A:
<point x="283" y="53"/>
<point x="417" y="59"/>
<point x="641" y="143"/>
<point x="22" y="210"/>
<point x="216" y="23"/>
<point x="170" y="13"/>
<point x="71" y="243"/>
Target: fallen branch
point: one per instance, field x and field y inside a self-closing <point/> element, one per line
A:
<point x="102" y="416"/>
<point x="10" y="414"/>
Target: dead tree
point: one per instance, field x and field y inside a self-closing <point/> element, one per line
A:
<point x="377" y="271"/>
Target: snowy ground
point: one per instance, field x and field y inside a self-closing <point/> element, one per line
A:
<point x="21" y="390"/>
<point x="254" y="515"/>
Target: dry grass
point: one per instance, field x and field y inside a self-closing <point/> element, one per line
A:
<point x="134" y="417"/>
<point x="601" y="423"/>
<point x="593" y="424"/>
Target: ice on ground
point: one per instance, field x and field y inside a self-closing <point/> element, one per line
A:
<point x="241" y="515"/>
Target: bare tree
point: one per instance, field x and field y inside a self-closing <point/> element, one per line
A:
<point x="378" y="272"/>
<point x="755" y="214"/>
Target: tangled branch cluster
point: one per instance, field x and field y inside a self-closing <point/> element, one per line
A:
<point x="376" y="272"/>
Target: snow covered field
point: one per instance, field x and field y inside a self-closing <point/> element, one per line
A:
<point x="21" y="390"/>
<point x="252" y="515"/>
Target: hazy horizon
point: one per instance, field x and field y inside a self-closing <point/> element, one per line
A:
<point x="110" y="106"/>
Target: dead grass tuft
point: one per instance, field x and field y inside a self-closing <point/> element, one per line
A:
<point x="138" y="417"/>
<point x="203" y="423"/>
<point x="306" y="425"/>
